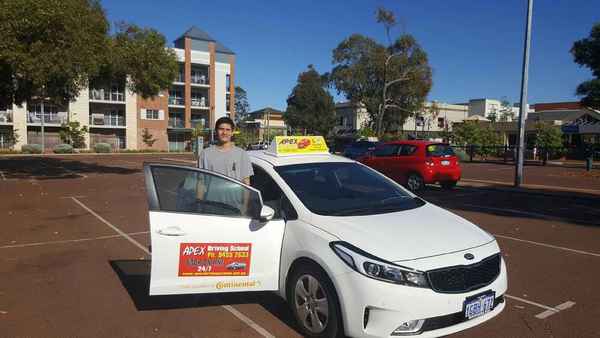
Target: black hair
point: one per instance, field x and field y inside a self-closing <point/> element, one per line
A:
<point x="225" y="119"/>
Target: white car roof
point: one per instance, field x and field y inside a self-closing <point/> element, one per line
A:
<point x="275" y="160"/>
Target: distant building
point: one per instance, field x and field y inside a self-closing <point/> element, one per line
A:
<point x="265" y="123"/>
<point x="200" y="94"/>
<point x="430" y="123"/>
<point x="349" y="118"/>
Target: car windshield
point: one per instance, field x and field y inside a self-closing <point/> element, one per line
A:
<point x="439" y="150"/>
<point x="345" y="189"/>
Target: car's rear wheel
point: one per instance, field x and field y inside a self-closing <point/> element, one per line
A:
<point x="314" y="303"/>
<point x="448" y="184"/>
<point x="415" y="182"/>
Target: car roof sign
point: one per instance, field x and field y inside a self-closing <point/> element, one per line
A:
<point x="298" y="145"/>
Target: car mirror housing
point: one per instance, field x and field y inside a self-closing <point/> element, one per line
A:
<point x="266" y="213"/>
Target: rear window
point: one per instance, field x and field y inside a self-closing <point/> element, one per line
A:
<point x="439" y="150"/>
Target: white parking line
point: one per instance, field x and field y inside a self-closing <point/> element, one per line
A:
<point x="25" y="245"/>
<point x="229" y="308"/>
<point x="549" y="246"/>
<point x="2" y="175"/>
<point x="545" y="307"/>
<point x="74" y="173"/>
<point x="178" y="160"/>
<point x="560" y="307"/>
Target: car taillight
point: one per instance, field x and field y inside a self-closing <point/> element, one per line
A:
<point x="429" y="162"/>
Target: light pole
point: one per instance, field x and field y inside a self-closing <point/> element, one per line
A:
<point x="523" y="103"/>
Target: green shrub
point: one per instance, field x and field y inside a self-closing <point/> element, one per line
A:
<point x="102" y="148"/>
<point x="63" y="149"/>
<point x="32" y="149"/>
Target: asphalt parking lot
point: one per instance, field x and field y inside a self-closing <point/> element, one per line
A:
<point x="74" y="259"/>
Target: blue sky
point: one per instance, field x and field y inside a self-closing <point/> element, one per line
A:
<point x="475" y="47"/>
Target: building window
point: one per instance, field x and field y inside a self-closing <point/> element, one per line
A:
<point x="227" y="82"/>
<point x="152" y="114"/>
<point x="227" y="102"/>
<point x="420" y="121"/>
<point x="441" y="122"/>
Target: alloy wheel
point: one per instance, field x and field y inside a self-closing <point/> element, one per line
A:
<point x="312" y="306"/>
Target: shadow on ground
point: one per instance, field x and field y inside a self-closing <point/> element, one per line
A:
<point x="48" y="168"/>
<point x="135" y="277"/>
<point x="576" y="208"/>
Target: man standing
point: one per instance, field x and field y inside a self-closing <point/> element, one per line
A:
<point x="225" y="158"/>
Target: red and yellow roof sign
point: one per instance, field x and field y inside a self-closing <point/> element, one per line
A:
<point x="295" y="145"/>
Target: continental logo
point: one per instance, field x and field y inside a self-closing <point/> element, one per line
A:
<point x="237" y="285"/>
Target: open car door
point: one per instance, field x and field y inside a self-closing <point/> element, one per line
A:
<point x="209" y="233"/>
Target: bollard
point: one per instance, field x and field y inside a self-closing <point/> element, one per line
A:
<point x="589" y="163"/>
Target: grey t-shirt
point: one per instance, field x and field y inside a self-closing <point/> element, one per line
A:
<point x="234" y="162"/>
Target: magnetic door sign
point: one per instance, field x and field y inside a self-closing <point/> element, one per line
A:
<point x="288" y="145"/>
<point x="214" y="259"/>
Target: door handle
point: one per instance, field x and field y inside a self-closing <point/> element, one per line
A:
<point x="171" y="231"/>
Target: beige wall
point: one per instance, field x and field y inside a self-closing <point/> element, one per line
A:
<point x="79" y="110"/>
<point x="131" y="120"/>
<point x="20" y="124"/>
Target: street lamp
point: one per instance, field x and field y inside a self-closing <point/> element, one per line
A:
<point x="523" y="103"/>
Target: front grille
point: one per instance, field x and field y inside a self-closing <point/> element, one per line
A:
<point x="465" y="278"/>
<point x="435" y="323"/>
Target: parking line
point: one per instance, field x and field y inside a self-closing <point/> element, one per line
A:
<point x="559" y="307"/>
<point x="2" y="175"/>
<point x="549" y="246"/>
<point x="178" y="160"/>
<point x="69" y="240"/>
<point x="229" y="308"/>
<point x="545" y="307"/>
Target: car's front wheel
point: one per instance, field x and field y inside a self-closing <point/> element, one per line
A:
<point x="415" y="182"/>
<point x="314" y="303"/>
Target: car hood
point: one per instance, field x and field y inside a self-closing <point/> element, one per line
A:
<point x="406" y="235"/>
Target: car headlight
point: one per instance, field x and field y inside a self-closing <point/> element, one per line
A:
<point x="376" y="268"/>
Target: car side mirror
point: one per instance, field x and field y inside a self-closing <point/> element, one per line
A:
<point x="266" y="213"/>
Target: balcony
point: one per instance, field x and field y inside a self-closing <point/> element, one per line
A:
<point x="176" y="101"/>
<point x="199" y="102"/>
<point x="107" y="120"/>
<point x="49" y="118"/>
<point x="180" y="78"/>
<point x="104" y="95"/>
<point x="176" y="123"/>
<point x="6" y="116"/>
<point x="199" y="78"/>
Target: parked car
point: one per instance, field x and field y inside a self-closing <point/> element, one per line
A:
<point x="359" y="148"/>
<point x="258" y="146"/>
<point x="416" y="163"/>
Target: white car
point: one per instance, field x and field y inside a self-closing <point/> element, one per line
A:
<point x="350" y="250"/>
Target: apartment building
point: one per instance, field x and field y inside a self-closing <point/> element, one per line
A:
<point x="202" y="92"/>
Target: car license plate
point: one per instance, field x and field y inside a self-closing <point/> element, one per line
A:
<point x="479" y="305"/>
<point x="445" y="162"/>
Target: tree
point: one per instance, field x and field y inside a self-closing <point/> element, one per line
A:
<point x="310" y="107"/>
<point x="148" y="138"/>
<point x="586" y="52"/>
<point x="72" y="133"/>
<point x="141" y="54"/>
<point x="51" y="49"/>
<point x="242" y="107"/>
<point x="48" y="48"/>
<point x="489" y="140"/>
<point x="549" y="140"/>
<point x="392" y="82"/>
<point x="466" y="133"/>
<point x="506" y="111"/>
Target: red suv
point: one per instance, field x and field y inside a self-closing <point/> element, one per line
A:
<point x="416" y="163"/>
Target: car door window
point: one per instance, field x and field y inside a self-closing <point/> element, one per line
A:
<point x="386" y="150"/>
<point x="203" y="192"/>
<point x="407" y="150"/>
<point x="272" y="194"/>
